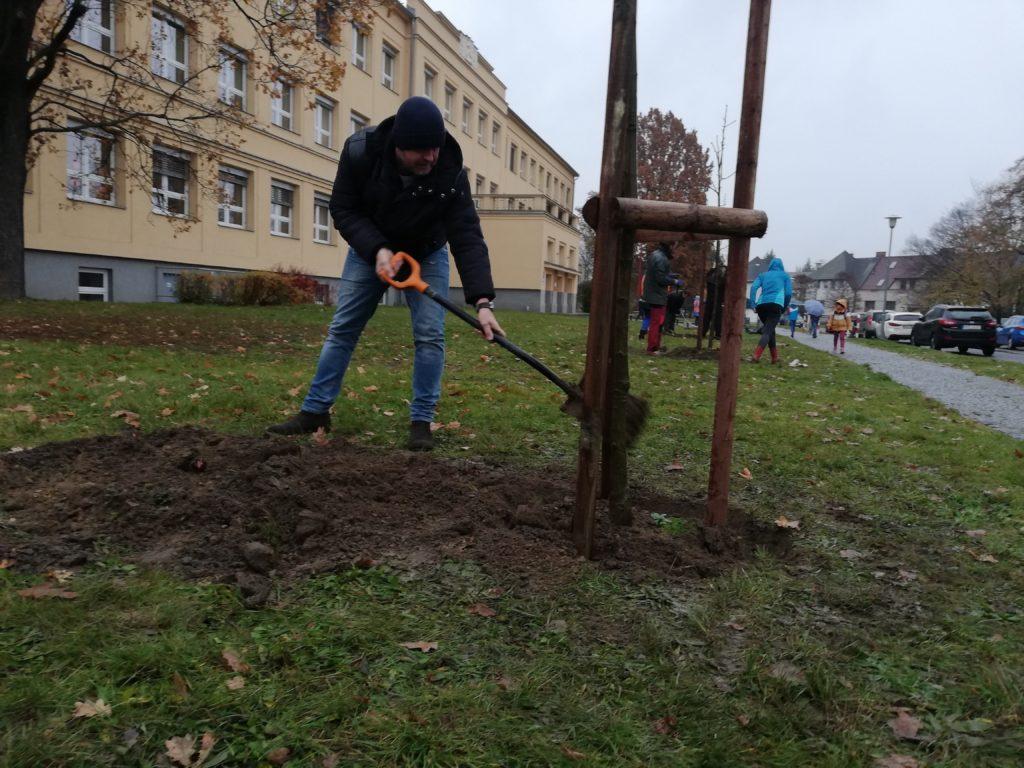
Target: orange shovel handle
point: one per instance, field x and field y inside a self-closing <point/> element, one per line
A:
<point x="413" y="280"/>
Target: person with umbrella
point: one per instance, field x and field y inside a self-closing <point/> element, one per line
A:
<point x="814" y="309"/>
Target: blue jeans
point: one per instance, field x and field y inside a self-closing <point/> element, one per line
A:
<point x="360" y="293"/>
<point x="815" y="319"/>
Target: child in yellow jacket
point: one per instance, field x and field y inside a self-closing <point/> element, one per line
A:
<point x="839" y="324"/>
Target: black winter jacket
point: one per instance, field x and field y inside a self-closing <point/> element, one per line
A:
<point x="372" y="210"/>
<point x="657" y="278"/>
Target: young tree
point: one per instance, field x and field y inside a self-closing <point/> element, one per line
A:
<point x="63" y="70"/>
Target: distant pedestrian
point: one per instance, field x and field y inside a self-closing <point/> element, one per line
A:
<point x="815" y="309"/>
<point x="776" y="289"/>
<point x="839" y="324"/>
<point x="794" y="316"/>
<point x="657" y="278"/>
<point x="696" y="310"/>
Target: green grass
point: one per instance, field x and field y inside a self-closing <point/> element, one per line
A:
<point x="973" y="361"/>
<point x="863" y="463"/>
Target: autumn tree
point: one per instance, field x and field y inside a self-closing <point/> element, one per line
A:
<point x="182" y="77"/>
<point x="673" y="166"/>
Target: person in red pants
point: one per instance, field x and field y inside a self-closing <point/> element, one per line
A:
<point x="657" y="278"/>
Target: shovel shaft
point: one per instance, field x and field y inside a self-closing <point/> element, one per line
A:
<point x="501" y="341"/>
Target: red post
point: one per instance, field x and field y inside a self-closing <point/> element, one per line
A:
<point x="739" y="252"/>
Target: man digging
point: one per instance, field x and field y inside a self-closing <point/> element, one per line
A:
<point x="400" y="187"/>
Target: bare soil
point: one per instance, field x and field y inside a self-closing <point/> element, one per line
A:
<point x="246" y="510"/>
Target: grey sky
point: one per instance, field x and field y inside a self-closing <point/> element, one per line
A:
<point x="872" y="107"/>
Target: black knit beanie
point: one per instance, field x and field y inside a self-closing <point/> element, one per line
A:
<point x="418" y="125"/>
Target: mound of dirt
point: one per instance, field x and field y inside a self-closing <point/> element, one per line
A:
<point x="243" y="509"/>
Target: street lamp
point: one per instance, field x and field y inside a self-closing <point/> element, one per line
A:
<point x="885" y="290"/>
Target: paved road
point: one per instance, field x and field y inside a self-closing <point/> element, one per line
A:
<point x="996" y="403"/>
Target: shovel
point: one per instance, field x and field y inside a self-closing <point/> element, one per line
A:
<point x="636" y="408"/>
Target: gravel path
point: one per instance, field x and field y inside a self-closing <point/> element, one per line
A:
<point x="998" y="404"/>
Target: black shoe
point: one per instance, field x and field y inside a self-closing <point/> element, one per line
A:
<point x="302" y="423"/>
<point x="643" y="335"/>
<point x="420" y="436"/>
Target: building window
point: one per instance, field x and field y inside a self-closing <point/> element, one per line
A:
<point x="429" y="76"/>
<point x="481" y="126"/>
<point x="479" y="184"/>
<point x="234" y="188"/>
<point x="321" y="219"/>
<point x="357" y="122"/>
<point x="495" y="137"/>
<point x="512" y="158"/>
<point x="359" y="49"/>
<point x="233" y="73"/>
<point x="533" y="172"/>
<point x="494" y="188"/>
<point x="449" y="101"/>
<point x="91" y="166"/>
<point x="467" y="108"/>
<point x="547" y="184"/>
<point x="326" y="31"/>
<point x="869" y="306"/>
<point x="93" y="284"/>
<point x="96" y="27"/>
<point x="169" y="47"/>
<point x="282" y="206"/>
<point x="323" y="122"/>
<point x="522" y="165"/>
<point x="281" y="100"/>
<point x="389" y="56"/>
<point x="170" y="182"/>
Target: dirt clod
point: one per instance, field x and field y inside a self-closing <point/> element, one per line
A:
<point x="259" y="556"/>
<point x="254" y="588"/>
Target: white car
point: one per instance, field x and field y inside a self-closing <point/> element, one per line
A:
<point x="897" y="325"/>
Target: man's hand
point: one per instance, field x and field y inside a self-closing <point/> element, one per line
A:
<point x="490" y="324"/>
<point x="384" y="256"/>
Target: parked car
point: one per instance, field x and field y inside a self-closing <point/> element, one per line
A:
<point x="954" y="326"/>
<point x="1011" y="332"/>
<point x="897" y="325"/>
<point x="871" y="323"/>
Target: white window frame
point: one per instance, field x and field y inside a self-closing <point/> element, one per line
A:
<point x="495" y="136"/>
<point x="164" y="191"/>
<point x="87" y="176"/>
<point x="467" y="114"/>
<point x="356" y="122"/>
<point x="103" y="291"/>
<point x="232" y="61"/>
<point x="359" y="41"/>
<point x="481" y="127"/>
<point x="512" y="157"/>
<point x="224" y="209"/>
<point x="163" y="61"/>
<point x="90" y="30"/>
<point x="449" y="101"/>
<point x="429" y="79"/>
<point x="323" y="134"/>
<point x="321" y="229"/>
<point x="279" y="116"/>
<point x="389" y="63"/>
<point x="282" y="215"/>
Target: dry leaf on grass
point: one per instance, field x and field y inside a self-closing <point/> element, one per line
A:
<point x="130" y="418"/>
<point x="976" y="533"/>
<point x="60" y="575"/>
<point x="896" y="761"/>
<point x="504" y="682"/>
<point x="904" y="725"/>
<point x="234" y="663"/>
<point x="320" y="437"/>
<point x="5" y="564"/>
<point x="572" y="754"/>
<point x="736" y="627"/>
<point x="665" y="725"/>
<point x="41" y="591"/>
<point x="371" y="388"/>
<point x="786" y="670"/>
<point x="742" y="719"/>
<point x="480" y="609"/>
<point x="746" y="474"/>
<point x="365" y="562"/>
<point x="180" y="749"/>
<point x="424" y="646"/>
<point x="850" y="554"/>
<point x="235" y="683"/>
<point x="279" y="756"/>
<point x="180" y="685"/>
<point x="675" y="466"/>
<point x="167" y="412"/>
<point x="784" y="522"/>
<point x="92" y="708"/>
<point x="330" y="761"/>
<point x="294" y="391"/>
<point x="984" y="557"/>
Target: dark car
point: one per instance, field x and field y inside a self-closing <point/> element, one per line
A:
<point x="872" y="322"/>
<point x="952" y="326"/>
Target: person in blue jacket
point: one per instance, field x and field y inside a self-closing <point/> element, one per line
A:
<point x="794" y="317"/>
<point x="771" y="291"/>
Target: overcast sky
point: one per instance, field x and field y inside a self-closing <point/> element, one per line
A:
<point x="872" y="108"/>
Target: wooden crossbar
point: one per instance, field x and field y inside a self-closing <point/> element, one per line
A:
<point x="631" y="213"/>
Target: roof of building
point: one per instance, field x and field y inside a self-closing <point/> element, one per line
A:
<point x="756" y="266"/>
<point x="843" y="267"/>
<point x="889" y="268"/>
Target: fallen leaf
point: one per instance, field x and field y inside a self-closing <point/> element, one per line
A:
<point x="361" y="369"/>
<point x="454" y="424"/>
<point x="675" y="466"/>
<point x="742" y="719"/>
<point x="180" y="685"/>
<point x="1018" y="453"/>
<point x="5" y="564"/>
<point x="665" y="725"/>
<point x="434" y="426"/>
<point x="480" y="609"/>
<point x="365" y="562"/>
<point x="236" y="683"/>
<point x="785" y="670"/>
<point x="371" y="388"/>
<point x="331" y="761"/>
<point x="850" y="554"/>
<point x="784" y="522"/>
<point x="166" y="412"/>
<point x="977" y="532"/>
<point x="163" y="391"/>
<point x="46" y="590"/>
<point x="279" y="756"/>
<point x="389" y="413"/>
<point x="896" y="761"/>
<point x="22" y="408"/>
<point x="868" y="431"/>
<point x="504" y="682"/>
<point x="320" y="437"/>
<point x="234" y="663"/>
<point x="60" y="575"/>
<point x="424" y="646"/>
<point x="23" y="376"/>
<point x="205" y="748"/>
<point x="812" y="414"/>
<point x="985" y="557"/>
<point x="92" y="708"/>
<point x="294" y="392"/>
<point x="746" y="474"/>
<point x="130" y="417"/>
<point x="180" y="749"/>
<point x="904" y="725"/>
<point x="734" y="626"/>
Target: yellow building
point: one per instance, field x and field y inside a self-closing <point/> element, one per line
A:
<point x="90" y="236"/>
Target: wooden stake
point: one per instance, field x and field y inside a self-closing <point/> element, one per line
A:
<point x="739" y="252"/>
<point x="608" y="245"/>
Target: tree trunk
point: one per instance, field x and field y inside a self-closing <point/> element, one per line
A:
<point x="13" y="149"/>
